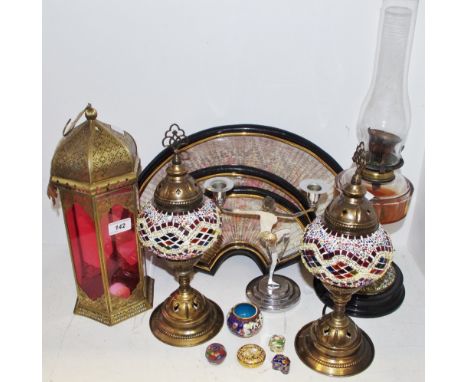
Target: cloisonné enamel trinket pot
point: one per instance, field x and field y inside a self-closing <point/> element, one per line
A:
<point x="215" y="353"/>
<point x="251" y="355"/>
<point x="277" y="343"/>
<point x="245" y="320"/>
<point x="281" y="363"/>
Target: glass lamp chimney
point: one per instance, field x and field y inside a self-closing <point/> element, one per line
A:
<point x="384" y="119"/>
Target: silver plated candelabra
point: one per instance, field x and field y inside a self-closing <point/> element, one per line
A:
<point x="270" y="292"/>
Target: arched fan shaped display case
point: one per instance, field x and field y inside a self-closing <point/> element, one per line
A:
<point x="262" y="161"/>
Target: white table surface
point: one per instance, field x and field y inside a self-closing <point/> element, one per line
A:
<point x="76" y="348"/>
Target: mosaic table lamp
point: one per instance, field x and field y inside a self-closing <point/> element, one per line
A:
<point x="347" y="249"/>
<point x="179" y="225"/>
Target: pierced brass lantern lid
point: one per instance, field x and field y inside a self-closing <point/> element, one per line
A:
<point x="93" y="157"/>
<point x="177" y="192"/>
<point x="351" y="213"/>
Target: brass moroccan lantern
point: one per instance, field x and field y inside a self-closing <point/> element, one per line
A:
<point x="94" y="170"/>
<point x="347" y="249"/>
<point x="178" y="225"/>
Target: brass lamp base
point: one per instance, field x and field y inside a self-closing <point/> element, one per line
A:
<point x="327" y="361"/>
<point x="197" y="327"/>
<point x="334" y="344"/>
<point x="186" y="317"/>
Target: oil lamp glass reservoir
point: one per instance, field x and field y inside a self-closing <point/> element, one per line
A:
<point x="391" y="200"/>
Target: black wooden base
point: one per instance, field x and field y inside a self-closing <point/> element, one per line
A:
<point x="369" y="306"/>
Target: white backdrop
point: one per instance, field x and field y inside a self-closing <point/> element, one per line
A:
<point x="300" y="65"/>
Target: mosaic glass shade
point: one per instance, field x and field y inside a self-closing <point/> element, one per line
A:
<point x="179" y="235"/>
<point x="343" y="260"/>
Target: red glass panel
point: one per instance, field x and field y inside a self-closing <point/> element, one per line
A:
<point x="120" y="249"/>
<point x="85" y="252"/>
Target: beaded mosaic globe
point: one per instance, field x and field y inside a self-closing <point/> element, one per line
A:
<point x="345" y="260"/>
<point x="179" y="235"/>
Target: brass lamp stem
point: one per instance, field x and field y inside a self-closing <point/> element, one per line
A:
<point x="339" y="318"/>
<point x="340" y="297"/>
<point x="184" y="282"/>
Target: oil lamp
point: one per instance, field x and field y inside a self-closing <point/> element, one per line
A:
<point x="346" y="249"/>
<point x="95" y="170"/>
<point x="274" y="293"/>
<point x="178" y="225"/>
<point x="384" y="120"/>
<point x="383" y="126"/>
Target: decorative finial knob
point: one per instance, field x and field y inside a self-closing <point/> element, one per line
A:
<point x="174" y="137"/>
<point x="90" y="113"/>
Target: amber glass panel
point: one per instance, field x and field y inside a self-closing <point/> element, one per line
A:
<point x="85" y="252"/>
<point x="120" y="249"/>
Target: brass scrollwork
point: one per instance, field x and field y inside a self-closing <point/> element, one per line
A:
<point x="174" y="137"/>
<point x="360" y="158"/>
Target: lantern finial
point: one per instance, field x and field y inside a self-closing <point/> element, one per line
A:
<point x="90" y="113"/>
<point x="174" y="137"/>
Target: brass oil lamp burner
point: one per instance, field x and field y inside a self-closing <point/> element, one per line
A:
<point x="179" y="225"/>
<point x="347" y="249"/>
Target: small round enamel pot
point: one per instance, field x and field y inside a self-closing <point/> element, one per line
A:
<point x="245" y="320"/>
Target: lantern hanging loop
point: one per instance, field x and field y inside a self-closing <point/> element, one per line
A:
<point x="70" y="126"/>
